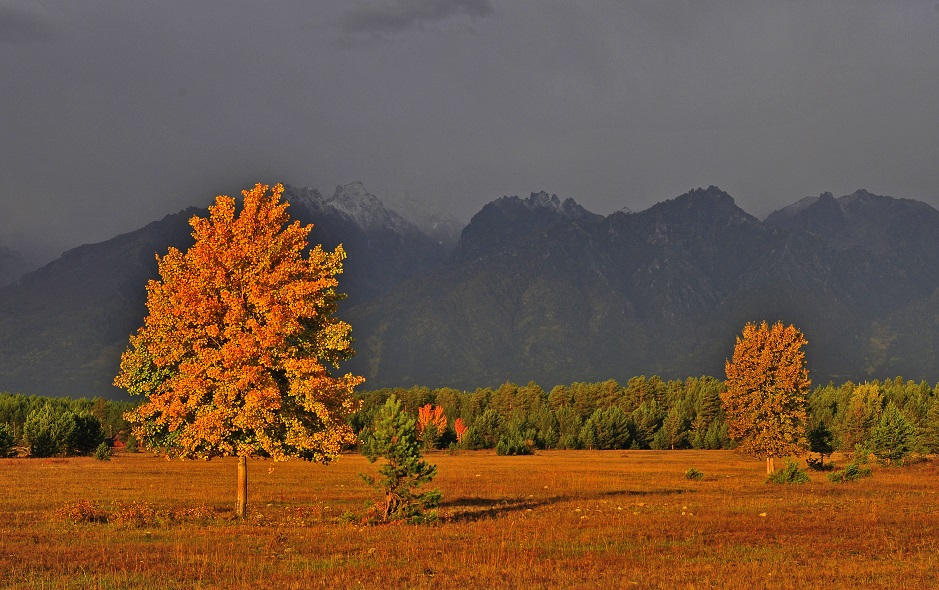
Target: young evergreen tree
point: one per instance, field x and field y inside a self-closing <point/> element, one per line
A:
<point x="88" y="434"/>
<point x="675" y="428"/>
<point x="928" y="435"/>
<point x="891" y="440"/>
<point x="393" y="437"/>
<point x="821" y="441"/>
<point x="767" y="385"/>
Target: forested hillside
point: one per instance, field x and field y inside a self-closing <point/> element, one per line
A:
<point x="539" y="288"/>
<point x="582" y="297"/>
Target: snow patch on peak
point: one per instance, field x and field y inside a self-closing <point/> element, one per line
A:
<point x="365" y="209"/>
<point x="303" y="196"/>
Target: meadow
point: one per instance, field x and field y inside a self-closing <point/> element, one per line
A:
<point x="558" y="519"/>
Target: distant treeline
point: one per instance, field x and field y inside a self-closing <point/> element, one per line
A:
<point x="650" y="413"/>
<point x="59" y="426"/>
<point x="643" y="413"/>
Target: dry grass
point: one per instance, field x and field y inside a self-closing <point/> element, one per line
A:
<point x="576" y="519"/>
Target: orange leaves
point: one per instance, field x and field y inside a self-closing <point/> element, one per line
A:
<point x="767" y="384"/>
<point x="232" y="354"/>
<point x="460" y="427"/>
<point x="431" y="415"/>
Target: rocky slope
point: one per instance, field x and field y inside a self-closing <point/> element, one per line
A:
<point x="64" y="326"/>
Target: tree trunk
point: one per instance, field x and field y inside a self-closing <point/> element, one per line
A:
<point x="241" y="506"/>
<point x="769" y="466"/>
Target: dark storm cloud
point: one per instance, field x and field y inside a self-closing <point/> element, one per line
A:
<point x="23" y="22"/>
<point x="400" y="15"/>
<point x="123" y="112"/>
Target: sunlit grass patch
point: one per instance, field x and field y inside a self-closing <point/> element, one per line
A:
<point x="560" y="519"/>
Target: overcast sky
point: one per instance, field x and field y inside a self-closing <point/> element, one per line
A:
<point x="114" y="113"/>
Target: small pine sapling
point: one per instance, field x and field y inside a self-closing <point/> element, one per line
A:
<point x="393" y="437"/>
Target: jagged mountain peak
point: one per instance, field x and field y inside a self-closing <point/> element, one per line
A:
<point x="806" y="213"/>
<point x="862" y="201"/>
<point x="867" y="222"/>
<point x="863" y="196"/>
<point x="711" y="196"/>
<point x="352" y="202"/>
<point x="302" y="194"/>
<point x="542" y="200"/>
<point x="365" y="208"/>
<point x="710" y="204"/>
<point x="507" y="220"/>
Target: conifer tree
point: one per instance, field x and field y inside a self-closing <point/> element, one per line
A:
<point x="929" y="432"/>
<point x="767" y="385"/>
<point x="393" y="437"/>
<point x="891" y="440"/>
<point x="821" y="441"/>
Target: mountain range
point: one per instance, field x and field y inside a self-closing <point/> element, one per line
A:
<point x="539" y="288"/>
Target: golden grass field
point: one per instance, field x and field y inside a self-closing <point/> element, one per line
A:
<point x="562" y="519"/>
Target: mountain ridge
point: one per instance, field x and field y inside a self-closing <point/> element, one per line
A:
<point x="539" y="288"/>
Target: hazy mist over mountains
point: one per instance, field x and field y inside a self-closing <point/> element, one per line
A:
<point x="115" y="113"/>
<point x="537" y="288"/>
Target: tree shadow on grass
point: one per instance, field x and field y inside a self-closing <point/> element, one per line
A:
<point x="474" y="509"/>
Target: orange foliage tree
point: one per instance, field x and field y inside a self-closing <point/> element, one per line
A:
<point x="460" y="427"/>
<point x="431" y="423"/>
<point x="765" y="399"/>
<point x="233" y="354"/>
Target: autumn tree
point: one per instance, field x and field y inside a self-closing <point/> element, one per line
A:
<point x="460" y="427"/>
<point x="233" y="357"/>
<point x="765" y="399"/>
<point x="431" y="424"/>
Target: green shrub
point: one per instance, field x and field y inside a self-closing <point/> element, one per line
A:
<point x="819" y="464"/>
<point x="693" y="474"/>
<point x="103" y="452"/>
<point x="853" y="471"/>
<point x="790" y="474"/>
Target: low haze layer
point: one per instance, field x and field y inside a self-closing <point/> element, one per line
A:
<point x="115" y="113"/>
